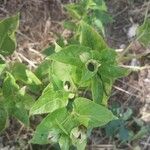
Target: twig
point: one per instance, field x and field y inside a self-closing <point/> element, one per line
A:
<point x="31" y="63"/>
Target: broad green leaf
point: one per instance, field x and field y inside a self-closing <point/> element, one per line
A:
<point x="26" y="99"/>
<point x="21" y="113"/>
<point x="43" y="69"/>
<point x="61" y="70"/>
<point x="97" y="90"/>
<point x="90" y="38"/>
<point x="19" y="72"/>
<point x="57" y="83"/>
<point x="32" y="78"/>
<point x="112" y="71"/>
<point x="3" y="117"/>
<point x="9" y="87"/>
<point x="53" y="127"/>
<point x="8" y="28"/>
<point x="107" y="56"/>
<point x="79" y="137"/>
<point x="49" y="101"/>
<point x="64" y="142"/>
<point x="112" y="127"/>
<point x="91" y="114"/>
<point x="143" y="33"/>
<point x="123" y="134"/>
<point x="49" y="50"/>
<point x="70" y="55"/>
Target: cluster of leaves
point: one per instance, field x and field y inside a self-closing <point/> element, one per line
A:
<point x="127" y="128"/>
<point x="71" y="70"/>
<point x="14" y="99"/>
<point x="71" y="87"/>
<point x="89" y="66"/>
<point x="93" y="12"/>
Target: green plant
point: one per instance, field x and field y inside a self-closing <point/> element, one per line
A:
<point x="72" y="86"/>
<point x="93" y="12"/>
<point x="81" y="76"/>
<point x="16" y="80"/>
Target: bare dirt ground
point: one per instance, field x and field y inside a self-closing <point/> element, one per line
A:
<point x="41" y="21"/>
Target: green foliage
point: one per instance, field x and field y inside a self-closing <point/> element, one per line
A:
<point x="57" y="88"/>
<point x="121" y="128"/>
<point x="8" y="28"/>
<point x="93" y="12"/>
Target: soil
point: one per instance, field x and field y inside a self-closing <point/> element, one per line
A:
<point x="40" y="22"/>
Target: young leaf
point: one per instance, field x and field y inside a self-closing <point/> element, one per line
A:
<point x="49" y="101"/>
<point x="90" y="38"/>
<point x="26" y="99"/>
<point x="21" y="113"/>
<point x="9" y="87"/>
<point x="112" y="71"/>
<point x="79" y="138"/>
<point x="43" y="69"/>
<point x="8" y="28"/>
<point x="61" y="70"/>
<point x="19" y="72"/>
<point x="53" y="127"/>
<point x="91" y="114"/>
<point x="70" y="55"/>
<point x="64" y="142"/>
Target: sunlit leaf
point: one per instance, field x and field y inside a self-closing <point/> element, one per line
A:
<point x="91" y="114"/>
<point x="49" y="101"/>
<point x="8" y="28"/>
<point x="90" y="38"/>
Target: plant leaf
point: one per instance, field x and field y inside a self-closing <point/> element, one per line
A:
<point x="64" y="142"/>
<point x="79" y="138"/>
<point x="21" y="113"/>
<point x="70" y="55"/>
<point x="61" y="70"/>
<point x="91" y="114"/>
<point x="43" y="69"/>
<point x="8" y="28"/>
<point x="53" y="127"/>
<point x="90" y="38"/>
<point x="19" y="72"/>
<point x="9" y="87"/>
<point x="49" y="101"/>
